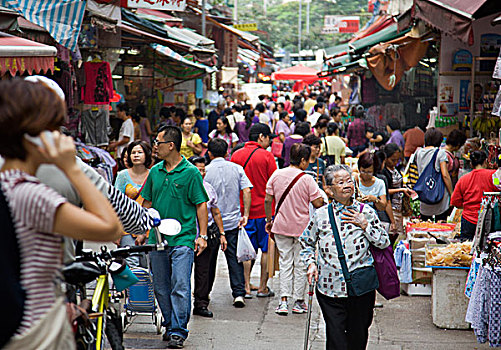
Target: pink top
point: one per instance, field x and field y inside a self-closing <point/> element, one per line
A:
<point x="33" y="206"/>
<point x="294" y="213"/>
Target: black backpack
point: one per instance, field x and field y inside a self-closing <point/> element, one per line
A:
<point x="12" y="295"/>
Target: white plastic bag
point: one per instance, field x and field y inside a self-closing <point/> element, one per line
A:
<point x="245" y="250"/>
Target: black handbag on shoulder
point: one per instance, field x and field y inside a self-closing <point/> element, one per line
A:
<point x="360" y="281"/>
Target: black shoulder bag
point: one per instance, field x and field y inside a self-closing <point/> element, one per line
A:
<point x="360" y="281"/>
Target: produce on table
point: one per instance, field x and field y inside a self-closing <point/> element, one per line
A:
<point x="454" y="254"/>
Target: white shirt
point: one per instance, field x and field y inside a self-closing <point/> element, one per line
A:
<point x="312" y="119"/>
<point x="126" y="130"/>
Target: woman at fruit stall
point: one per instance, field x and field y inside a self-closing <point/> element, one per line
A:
<point x="396" y="188"/>
<point x="469" y="191"/>
<point x="347" y="313"/>
<point x="432" y="141"/>
<point x="453" y="143"/>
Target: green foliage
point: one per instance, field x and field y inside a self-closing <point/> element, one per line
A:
<point x="281" y="21"/>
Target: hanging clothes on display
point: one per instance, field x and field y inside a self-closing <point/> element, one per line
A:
<point x="95" y="126"/>
<point x="98" y="89"/>
<point x="484" y="280"/>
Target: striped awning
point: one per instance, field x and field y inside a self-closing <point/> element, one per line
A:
<point x="61" y="18"/>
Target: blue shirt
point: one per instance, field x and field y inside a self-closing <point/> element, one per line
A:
<point x="203" y="129"/>
<point x="228" y="179"/>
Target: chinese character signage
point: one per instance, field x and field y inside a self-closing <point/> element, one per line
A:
<point x="341" y="24"/>
<point x="246" y="27"/>
<point x="171" y="5"/>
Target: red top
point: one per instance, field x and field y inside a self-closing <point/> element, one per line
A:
<point x="470" y="190"/>
<point x="259" y="169"/>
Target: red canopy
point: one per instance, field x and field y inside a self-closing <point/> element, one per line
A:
<point x="23" y="55"/>
<point x="298" y="72"/>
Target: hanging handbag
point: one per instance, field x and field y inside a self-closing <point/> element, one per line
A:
<point x="360" y="281"/>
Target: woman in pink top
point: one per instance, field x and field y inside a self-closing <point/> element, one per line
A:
<point x="29" y="115"/>
<point x="289" y="223"/>
<point x="469" y="191"/>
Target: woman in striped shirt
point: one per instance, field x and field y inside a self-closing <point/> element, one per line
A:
<point x="38" y="212"/>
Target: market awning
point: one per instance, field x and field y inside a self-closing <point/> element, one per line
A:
<point x="298" y="72"/>
<point x="185" y="70"/>
<point x="18" y="55"/>
<point x="454" y="17"/>
<point x="389" y="33"/>
<point x="159" y="16"/>
<point x="379" y="24"/>
<point x="337" y="50"/>
<point x="154" y="38"/>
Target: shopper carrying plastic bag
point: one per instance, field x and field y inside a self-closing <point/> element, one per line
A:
<point x="245" y="250"/>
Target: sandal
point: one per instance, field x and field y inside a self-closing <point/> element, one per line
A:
<point x="248" y="296"/>
<point x="268" y="294"/>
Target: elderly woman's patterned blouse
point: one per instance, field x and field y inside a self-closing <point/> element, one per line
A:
<point x="355" y="245"/>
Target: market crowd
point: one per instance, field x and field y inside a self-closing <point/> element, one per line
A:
<point x="305" y="175"/>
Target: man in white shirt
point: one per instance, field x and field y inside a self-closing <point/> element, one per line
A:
<point x="126" y="134"/>
<point x="237" y="115"/>
<point x="319" y="111"/>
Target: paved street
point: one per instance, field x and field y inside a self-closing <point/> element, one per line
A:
<point x="404" y="323"/>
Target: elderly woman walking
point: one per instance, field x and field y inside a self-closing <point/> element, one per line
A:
<point x="346" y="301"/>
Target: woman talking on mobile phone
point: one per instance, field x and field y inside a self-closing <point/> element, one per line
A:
<point x="41" y="216"/>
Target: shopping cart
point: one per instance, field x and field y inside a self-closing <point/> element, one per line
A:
<point x="140" y="297"/>
<point x="140" y="300"/>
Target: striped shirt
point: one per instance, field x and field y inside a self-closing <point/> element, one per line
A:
<point x="33" y="206"/>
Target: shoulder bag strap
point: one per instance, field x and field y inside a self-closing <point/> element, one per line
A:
<point x="326" y="147"/>
<point x="318" y="171"/>
<point x="340" y="251"/>
<point x="287" y="190"/>
<point x="250" y="157"/>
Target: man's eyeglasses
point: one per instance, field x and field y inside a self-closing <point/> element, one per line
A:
<point x="156" y="142"/>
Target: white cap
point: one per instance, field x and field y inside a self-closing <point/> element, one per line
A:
<point x="51" y="84"/>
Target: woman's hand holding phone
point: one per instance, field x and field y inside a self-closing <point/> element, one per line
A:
<point x="58" y="149"/>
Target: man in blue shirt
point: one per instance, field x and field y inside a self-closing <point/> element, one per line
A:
<point x="229" y="179"/>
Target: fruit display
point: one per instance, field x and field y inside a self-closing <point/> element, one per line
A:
<point x="486" y="125"/>
<point x="454" y="254"/>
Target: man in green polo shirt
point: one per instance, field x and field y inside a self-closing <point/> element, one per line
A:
<point x="174" y="187"/>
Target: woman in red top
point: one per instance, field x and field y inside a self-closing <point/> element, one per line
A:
<point x="469" y="191"/>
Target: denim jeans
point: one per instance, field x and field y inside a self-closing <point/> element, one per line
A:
<point x="171" y="271"/>
<point x="236" y="269"/>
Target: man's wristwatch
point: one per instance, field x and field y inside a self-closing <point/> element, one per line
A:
<point x="222" y="233"/>
<point x="204" y="237"/>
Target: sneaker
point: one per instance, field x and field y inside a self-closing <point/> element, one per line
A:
<point x="299" y="307"/>
<point x="282" y="309"/>
<point x="239" y="302"/>
<point x="175" y="342"/>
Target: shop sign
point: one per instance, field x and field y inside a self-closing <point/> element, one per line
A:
<point x="341" y="24"/>
<point x="170" y="5"/>
<point x="462" y="61"/>
<point x="246" y="27"/>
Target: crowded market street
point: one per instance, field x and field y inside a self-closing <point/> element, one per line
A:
<point x="250" y="175"/>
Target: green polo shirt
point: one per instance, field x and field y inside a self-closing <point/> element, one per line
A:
<point x="175" y="195"/>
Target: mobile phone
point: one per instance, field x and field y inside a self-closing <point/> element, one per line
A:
<point x="38" y="141"/>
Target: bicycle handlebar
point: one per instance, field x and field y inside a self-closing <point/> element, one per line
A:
<point x="126" y="251"/>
